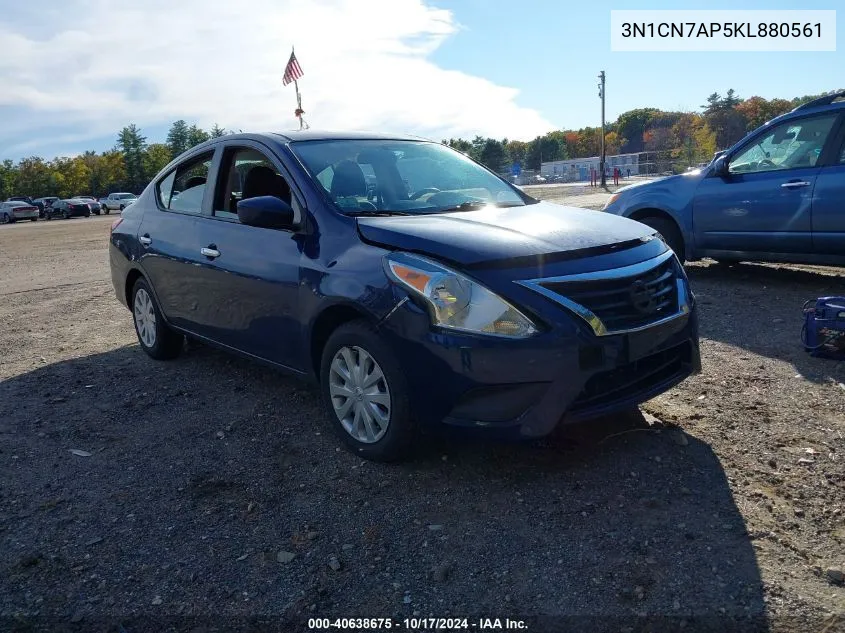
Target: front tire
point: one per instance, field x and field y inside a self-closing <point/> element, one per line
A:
<point x="107" y="210"/>
<point x="365" y="394"/>
<point x="155" y="337"/>
<point x="670" y="232"/>
<point x="33" y="219"/>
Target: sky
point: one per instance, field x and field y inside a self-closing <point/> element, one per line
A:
<point x="73" y="72"/>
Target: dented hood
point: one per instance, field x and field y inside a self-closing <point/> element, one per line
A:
<point x="494" y="234"/>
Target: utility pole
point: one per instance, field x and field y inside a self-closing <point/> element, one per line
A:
<point x="602" y="158"/>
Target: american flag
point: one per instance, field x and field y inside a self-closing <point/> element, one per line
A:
<point x="293" y="70"/>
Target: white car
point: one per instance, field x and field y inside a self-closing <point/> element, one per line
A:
<point x="15" y="210"/>
<point x="117" y="201"/>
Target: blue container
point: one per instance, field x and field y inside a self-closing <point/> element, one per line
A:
<point x="823" y="334"/>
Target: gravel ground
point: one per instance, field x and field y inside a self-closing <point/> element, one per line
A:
<point x="206" y="491"/>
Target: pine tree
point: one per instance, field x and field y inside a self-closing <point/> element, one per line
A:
<point x="132" y="144"/>
<point x="177" y="138"/>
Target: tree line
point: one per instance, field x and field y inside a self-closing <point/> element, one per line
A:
<point x="128" y="166"/>
<point x="682" y="138"/>
<point x="686" y="137"/>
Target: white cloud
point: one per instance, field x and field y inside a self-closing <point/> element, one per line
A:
<point x="367" y="65"/>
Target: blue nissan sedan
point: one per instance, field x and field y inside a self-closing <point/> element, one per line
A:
<point x="414" y="286"/>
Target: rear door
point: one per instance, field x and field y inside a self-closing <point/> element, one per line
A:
<point x="251" y="280"/>
<point x="169" y="237"/>
<point x="765" y="203"/>
<point x="829" y="200"/>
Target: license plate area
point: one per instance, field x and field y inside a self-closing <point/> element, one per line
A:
<point x="653" y="339"/>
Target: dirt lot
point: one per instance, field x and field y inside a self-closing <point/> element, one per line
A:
<point x="206" y="491"/>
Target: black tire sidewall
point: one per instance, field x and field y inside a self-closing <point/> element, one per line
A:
<point x="670" y="232"/>
<point x="164" y="347"/>
<point x="401" y="431"/>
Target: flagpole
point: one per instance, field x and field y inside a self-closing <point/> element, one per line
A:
<point x="298" y="101"/>
<point x="299" y="110"/>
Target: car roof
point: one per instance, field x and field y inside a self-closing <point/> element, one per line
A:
<point x="306" y="135"/>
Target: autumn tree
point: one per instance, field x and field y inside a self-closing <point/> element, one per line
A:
<point x="34" y="177"/>
<point x="155" y="159"/>
<point x="632" y="125"/>
<point x="196" y="135"/>
<point x="758" y="110"/>
<point x="724" y="119"/>
<point x="516" y="151"/>
<point x="613" y="143"/>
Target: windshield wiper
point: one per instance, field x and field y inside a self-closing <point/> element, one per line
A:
<point x="471" y="205"/>
<point x="366" y="213"/>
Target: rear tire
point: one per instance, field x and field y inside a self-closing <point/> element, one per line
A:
<point x="155" y="337"/>
<point x="670" y="233"/>
<point x="33" y="219"/>
<point x="364" y="411"/>
<point x="107" y="210"/>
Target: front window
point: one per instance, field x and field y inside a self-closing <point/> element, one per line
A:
<point x="790" y="145"/>
<point x="403" y="177"/>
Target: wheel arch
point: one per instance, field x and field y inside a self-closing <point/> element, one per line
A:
<point x="654" y="212"/>
<point x="326" y="322"/>
<point x="132" y="276"/>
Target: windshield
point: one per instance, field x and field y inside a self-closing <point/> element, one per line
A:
<point x="125" y="196"/>
<point x="404" y="177"/>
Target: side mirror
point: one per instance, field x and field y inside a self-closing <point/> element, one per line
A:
<point x="268" y="212"/>
<point x="720" y="166"/>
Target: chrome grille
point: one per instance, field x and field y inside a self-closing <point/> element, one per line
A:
<point x="623" y="299"/>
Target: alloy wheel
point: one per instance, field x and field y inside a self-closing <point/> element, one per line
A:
<point x="359" y="393"/>
<point x="145" y="317"/>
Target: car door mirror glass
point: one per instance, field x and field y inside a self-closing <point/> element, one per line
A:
<point x="720" y="166"/>
<point x="267" y="212"/>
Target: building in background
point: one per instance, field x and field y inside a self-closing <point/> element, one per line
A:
<point x="574" y="169"/>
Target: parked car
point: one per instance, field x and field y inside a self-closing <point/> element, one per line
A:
<point x="70" y="208"/>
<point x="44" y="203"/>
<point x="93" y="203"/>
<point x="466" y="303"/>
<point x="117" y="201"/>
<point x="12" y="211"/>
<point x="777" y="195"/>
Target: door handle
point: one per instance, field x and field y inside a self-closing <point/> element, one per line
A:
<point x="146" y="240"/>
<point x="794" y="184"/>
<point x="210" y="252"/>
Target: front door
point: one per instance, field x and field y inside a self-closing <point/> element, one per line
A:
<point x="765" y="203"/>
<point x="250" y="277"/>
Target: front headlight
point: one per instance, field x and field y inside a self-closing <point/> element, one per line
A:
<point x="456" y="302"/>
